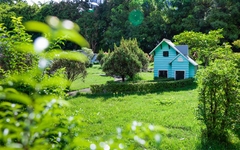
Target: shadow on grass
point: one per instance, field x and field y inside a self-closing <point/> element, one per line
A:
<point x="213" y="144"/>
<point x="106" y="96"/>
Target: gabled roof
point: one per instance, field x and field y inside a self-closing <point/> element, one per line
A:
<point x="187" y="58"/>
<point x="168" y="42"/>
<point x="183" y="51"/>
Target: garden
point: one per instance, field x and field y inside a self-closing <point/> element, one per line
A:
<point x="53" y="96"/>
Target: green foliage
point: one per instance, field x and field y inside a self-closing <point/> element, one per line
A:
<point x="236" y="43"/>
<point x="204" y="47"/>
<point x="174" y="110"/>
<point x="13" y="61"/>
<point x="95" y="75"/>
<point x="100" y="55"/>
<point x="72" y="69"/>
<point x="126" y="60"/>
<point x="140" y="87"/>
<point x="109" y="22"/>
<point x="33" y="117"/>
<point x="219" y="99"/>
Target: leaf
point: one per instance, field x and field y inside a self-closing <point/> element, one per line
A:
<point x="15" y="97"/>
<point x="73" y="36"/>
<point x="70" y="55"/>
<point x="37" y="26"/>
<point x="25" y="48"/>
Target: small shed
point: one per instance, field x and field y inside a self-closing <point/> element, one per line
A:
<point x="172" y="61"/>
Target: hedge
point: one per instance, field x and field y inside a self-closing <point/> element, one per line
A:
<point x="141" y="87"/>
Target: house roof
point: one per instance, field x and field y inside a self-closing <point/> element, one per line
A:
<point x="181" y="49"/>
<point x="187" y="58"/>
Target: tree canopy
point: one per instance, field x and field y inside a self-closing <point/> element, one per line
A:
<point x="152" y="21"/>
<point x="125" y="60"/>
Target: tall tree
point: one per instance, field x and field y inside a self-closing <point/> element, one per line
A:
<point x="223" y="15"/>
<point x="125" y="60"/>
<point x="204" y="47"/>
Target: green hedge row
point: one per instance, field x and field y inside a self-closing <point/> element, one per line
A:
<point x="141" y="87"/>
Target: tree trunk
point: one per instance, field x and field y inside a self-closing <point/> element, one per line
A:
<point x="123" y="78"/>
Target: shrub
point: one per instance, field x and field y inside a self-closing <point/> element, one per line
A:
<point x="218" y="106"/>
<point x="141" y="87"/>
<point x="10" y="59"/>
<point x="72" y="69"/>
<point x="100" y="55"/>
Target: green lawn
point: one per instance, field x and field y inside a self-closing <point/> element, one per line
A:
<point x="174" y="110"/>
<point x="95" y="75"/>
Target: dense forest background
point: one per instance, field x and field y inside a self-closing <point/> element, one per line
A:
<point x="149" y="21"/>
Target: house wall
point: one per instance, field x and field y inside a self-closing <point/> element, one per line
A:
<point x="180" y="64"/>
<point x="162" y="63"/>
<point x="192" y="70"/>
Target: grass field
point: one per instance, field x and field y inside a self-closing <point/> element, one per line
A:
<point x="95" y="75"/>
<point x="174" y="110"/>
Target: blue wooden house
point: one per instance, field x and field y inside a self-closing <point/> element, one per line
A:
<point x="172" y="61"/>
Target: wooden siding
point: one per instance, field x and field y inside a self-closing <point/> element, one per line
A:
<point x="161" y="62"/>
<point x="192" y="70"/>
<point x="180" y="64"/>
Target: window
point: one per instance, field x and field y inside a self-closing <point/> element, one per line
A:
<point x="162" y="74"/>
<point x="177" y="53"/>
<point x="165" y="53"/>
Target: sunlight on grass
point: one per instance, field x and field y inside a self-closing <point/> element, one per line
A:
<point x="95" y="75"/>
<point x="173" y="110"/>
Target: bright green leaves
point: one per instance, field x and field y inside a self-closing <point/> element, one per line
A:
<point x="137" y="133"/>
<point x="203" y="47"/>
<point x="57" y="28"/>
<point x="31" y="114"/>
<point x="219" y="99"/>
<point x="236" y="43"/>
<point x="59" y="54"/>
<point x="41" y="27"/>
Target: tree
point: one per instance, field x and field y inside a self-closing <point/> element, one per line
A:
<point x="219" y="99"/>
<point x="203" y="47"/>
<point x="125" y="60"/>
<point x="221" y="15"/>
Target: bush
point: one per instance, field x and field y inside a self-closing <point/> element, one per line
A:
<point x="72" y="69"/>
<point x="218" y="106"/>
<point x="10" y="59"/>
<point x="141" y="87"/>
